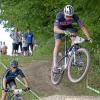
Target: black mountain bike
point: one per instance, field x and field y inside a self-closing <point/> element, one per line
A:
<point x="75" y="60"/>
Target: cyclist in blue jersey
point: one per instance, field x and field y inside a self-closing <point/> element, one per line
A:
<point x="29" y="38"/>
<point x="64" y="22"/>
<point x="9" y="78"/>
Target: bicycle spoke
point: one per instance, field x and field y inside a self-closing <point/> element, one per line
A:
<point x="78" y="69"/>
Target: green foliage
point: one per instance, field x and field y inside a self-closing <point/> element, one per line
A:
<point x="40" y="15"/>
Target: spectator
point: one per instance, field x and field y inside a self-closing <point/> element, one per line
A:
<point x="29" y="38"/>
<point x="24" y="45"/>
<point x="0" y="47"/>
<point x="4" y="49"/>
<point x="14" y="42"/>
<point x="19" y="35"/>
<point x="36" y="45"/>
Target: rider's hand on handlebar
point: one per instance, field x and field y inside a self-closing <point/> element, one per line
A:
<point x="66" y="33"/>
<point x="6" y="90"/>
<point x="90" y="40"/>
<point x="27" y="89"/>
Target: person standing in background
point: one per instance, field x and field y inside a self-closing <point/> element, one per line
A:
<point x="19" y="35"/>
<point x="14" y="37"/>
<point x="4" y="49"/>
<point x="0" y="47"/>
<point x="29" y="38"/>
<point x="24" y="46"/>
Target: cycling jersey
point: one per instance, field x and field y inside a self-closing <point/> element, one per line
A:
<point x="63" y="23"/>
<point x="9" y="75"/>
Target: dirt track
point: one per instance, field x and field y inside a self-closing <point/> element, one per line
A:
<point x="38" y="74"/>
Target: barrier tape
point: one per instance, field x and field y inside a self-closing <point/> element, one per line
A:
<point x="91" y="88"/>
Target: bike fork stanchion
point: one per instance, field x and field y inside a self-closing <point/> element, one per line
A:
<point x="65" y="60"/>
<point x="91" y="88"/>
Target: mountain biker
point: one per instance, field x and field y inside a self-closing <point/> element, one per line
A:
<point x="64" y="22"/>
<point x="9" y="78"/>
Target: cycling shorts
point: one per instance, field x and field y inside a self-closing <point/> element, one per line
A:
<point x="12" y="84"/>
<point x="60" y="36"/>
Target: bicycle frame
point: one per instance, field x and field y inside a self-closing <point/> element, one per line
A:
<point x="66" y="51"/>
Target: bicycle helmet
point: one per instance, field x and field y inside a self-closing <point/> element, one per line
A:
<point x="14" y="63"/>
<point x="68" y="10"/>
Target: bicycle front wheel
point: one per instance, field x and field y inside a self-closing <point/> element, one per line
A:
<point x="78" y="65"/>
<point x="18" y="97"/>
<point x="57" y="77"/>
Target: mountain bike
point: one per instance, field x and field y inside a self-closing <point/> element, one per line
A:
<point x="15" y="94"/>
<point x="75" y="60"/>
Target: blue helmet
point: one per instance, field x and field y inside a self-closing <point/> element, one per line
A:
<point x="14" y="63"/>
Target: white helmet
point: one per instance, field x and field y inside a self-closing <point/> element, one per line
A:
<point x="68" y="10"/>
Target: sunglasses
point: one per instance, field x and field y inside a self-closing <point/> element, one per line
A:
<point x="69" y="16"/>
<point x="14" y="67"/>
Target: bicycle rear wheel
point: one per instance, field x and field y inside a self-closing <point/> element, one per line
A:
<point x="57" y="77"/>
<point x="78" y="69"/>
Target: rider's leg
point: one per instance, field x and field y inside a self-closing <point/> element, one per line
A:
<point x="58" y="40"/>
<point x="3" y="97"/>
<point x="56" y="50"/>
<point x="12" y="85"/>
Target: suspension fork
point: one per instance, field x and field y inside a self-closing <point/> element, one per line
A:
<point x="65" y="51"/>
<point x="74" y="49"/>
<point x="74" y="53"/>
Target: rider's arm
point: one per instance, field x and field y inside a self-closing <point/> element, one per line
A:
<point x="25" y="82"/>
<point x="58" y="30"/>
<point x="24" y="78"/>
<point x="86" y="32"/>
<point x="4" y="84"/>
<point x="4" y="80"/>
<point x="81" y="24"/>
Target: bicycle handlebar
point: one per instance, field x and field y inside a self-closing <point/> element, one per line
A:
<point x="67" y="33"/>
<point x="18" y="91"/>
